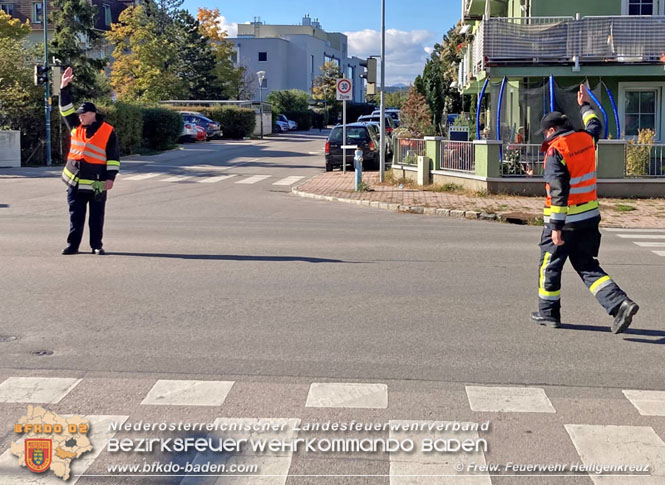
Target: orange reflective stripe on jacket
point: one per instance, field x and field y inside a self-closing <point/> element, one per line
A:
<point x="579" y="154"/>
<point x="92" y="150"/>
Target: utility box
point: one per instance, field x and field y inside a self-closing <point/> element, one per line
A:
<point x="10" y="149"/>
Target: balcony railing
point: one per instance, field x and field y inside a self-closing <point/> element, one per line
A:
<point x="566" y="40"/>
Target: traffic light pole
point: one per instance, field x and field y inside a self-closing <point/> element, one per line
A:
<point x="382" y="148"/>
<point x="47" y="88"/>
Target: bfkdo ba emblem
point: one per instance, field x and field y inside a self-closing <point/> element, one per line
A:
<point x="38" y="454"/>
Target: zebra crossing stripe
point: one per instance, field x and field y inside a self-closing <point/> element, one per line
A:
<point x="177" y="178"/>
<point x="140" y="177"/>
<point x="650" y="244"/>
<point x="659" y="253"/>
<point x="648" y="403"/>
<point x="509" y="399"/>
<point x="218" y="178"/>
<point x="632" y="230"/>
<point x="37" y="390"/>
<point x="347" y="395"/>
<point x="99" y="434"/>
<point x="641" y="236"/>
<point x="638" y="445"/>
<point x="291" y="180"/>
<point x="253" y="179"/>
<point x="273" y="467"/>
<point x="422" y="467"/>
<point x="188" y="393"/>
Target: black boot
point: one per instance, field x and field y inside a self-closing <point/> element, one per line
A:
<point x="623" y="315"/>
<point x="548" y="321"/>
<point x="70" y="250"/>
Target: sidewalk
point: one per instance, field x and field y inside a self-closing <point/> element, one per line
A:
<point x="336" y="186"/>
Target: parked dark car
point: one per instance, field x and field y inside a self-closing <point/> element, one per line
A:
<point x="393" y="112"/>
<point x="212" y="128"/>
<point x="389" y="124"/>
<point x="356" y="134"/>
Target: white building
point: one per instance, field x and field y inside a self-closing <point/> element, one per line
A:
<point x="292" y="55"/>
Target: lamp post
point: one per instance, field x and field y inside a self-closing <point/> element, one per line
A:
<point x="382" y="149"/>
<point x="47" y="94"/>
<point x="261" y="75"/>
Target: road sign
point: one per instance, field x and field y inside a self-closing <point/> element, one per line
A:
<point x="344" y="90"/>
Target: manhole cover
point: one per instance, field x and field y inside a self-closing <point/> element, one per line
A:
<point x="43" y="352"/>
<point x="7" y="338"/>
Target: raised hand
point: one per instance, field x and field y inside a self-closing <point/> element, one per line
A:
<point x="583" y="95"/>
<point x="67" y="77"/>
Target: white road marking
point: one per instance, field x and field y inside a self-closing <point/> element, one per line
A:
<point x="177" y="178"/>
<point x="140" y="177"/>
<point x="347" y="395"/>
<point x="632" y="230"/>
<point x="273" y="467"/>
<point x="41" y="390"/>
<point x="659" y="253"/>
<point x="253" y="179"/>
<point x="98" y="435"/>
<point x="615" y="445"/>
<point x="648" y="403"/>
<point x="219" y="178"/>
<point x="641" y="236"/>
<point x="419" y="467"/>
<point x="188" y="393"/>
<point x="288" y="180"/>
<point x="651" y="244"/>
<point x="509" y="399"/>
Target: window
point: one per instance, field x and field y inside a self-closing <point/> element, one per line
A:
<point x="640" y="7"/>
<point x="107" y="15"/>
<point x="640" y="111"/>
<point x="37" y="13"/>
<point x="8" y="8"/>
<point x="263" y="56"/>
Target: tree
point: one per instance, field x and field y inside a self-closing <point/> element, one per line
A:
<point x="73" y="22"/>
<point x="433" y="83"/>
<point x="231" y="79"/>
<point x="325" y="85"/>
<point x="197" y="60"/>
<point x="289" y="100"/>
<point x="146" y="59"/>
<point x="452" y="47"/>
<point x="12" y="28"/>
<point x="396" y="99"/>
<point x="415" y="116"/>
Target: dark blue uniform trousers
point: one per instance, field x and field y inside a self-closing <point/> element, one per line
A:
<point x="78" y="201"/>
<point x="581" y="246"/>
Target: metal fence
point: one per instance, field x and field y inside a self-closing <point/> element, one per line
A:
<point x="407" y="151"/>
<point x="566" y="39"/>
<point x="645" y="160"/>
<point x="522" y="160"/>
<point x="458" y="156"/>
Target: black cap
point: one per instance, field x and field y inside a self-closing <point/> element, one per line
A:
<point x="555" y="119"/>
<point x="86" y="107"/>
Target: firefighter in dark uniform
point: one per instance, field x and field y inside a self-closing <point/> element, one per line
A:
<point x="571" y="219"/>
<point x="92" y="165"/>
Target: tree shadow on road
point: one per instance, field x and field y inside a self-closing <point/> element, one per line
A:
<point x="235" y="257"/>
<point x="630" y="331"/>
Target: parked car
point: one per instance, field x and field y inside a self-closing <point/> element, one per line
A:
<point x="393" y="112"/>
<point x="213" y="129"/>
<point x="280" y="127"/>
<point x="201" y="133"/>
<point x="290" y="123"/>
<point x="189" y="129"/>
<point x="390" y="123"/>
<point x="388" y="140"/>
<point x="359" y="134"/>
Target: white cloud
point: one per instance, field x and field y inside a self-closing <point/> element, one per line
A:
<point x="231" y="28"/>
<point x="406" y="52"/>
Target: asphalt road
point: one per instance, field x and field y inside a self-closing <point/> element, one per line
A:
<point x="244" y="281"/>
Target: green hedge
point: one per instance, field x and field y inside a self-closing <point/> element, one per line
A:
<point x="127" y="119"/>
<point x="161" y="128"/>
<point x="303" y="118"/>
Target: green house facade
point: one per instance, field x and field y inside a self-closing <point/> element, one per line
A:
<point x="527" y="57"/>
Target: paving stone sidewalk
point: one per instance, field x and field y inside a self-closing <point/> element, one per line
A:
<point x="337" y="186"/>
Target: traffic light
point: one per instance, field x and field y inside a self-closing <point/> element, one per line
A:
<point x="41" y="75"/>
<point x="369" y="74"/>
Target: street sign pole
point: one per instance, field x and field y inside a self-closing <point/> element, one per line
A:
<point x="382" y="148"/>
<point x="47" y="93"/>
<point x="344" y="136"/>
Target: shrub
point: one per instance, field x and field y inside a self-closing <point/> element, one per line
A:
<point x="303" y="118"/>
<point x="235" y="122"/>
<point x="161" y="128"/>
<point x="288" y="100"/>
<point x="127" y="119"/>
<point x="638" y="153"/>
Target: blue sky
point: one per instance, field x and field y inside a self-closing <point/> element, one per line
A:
<point x="412" y="27"/>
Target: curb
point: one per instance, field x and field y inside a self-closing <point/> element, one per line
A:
<point x="410" y="209"/>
